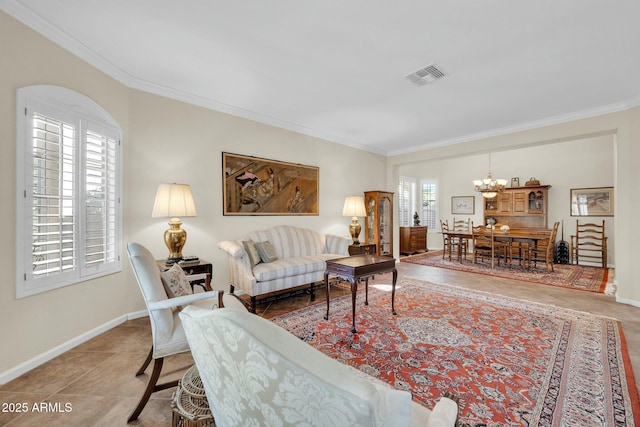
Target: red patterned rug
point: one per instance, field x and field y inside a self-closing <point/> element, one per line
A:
<point x="511" y="362"/>
<point x="592" y="279"/>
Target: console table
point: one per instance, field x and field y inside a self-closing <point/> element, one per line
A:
<point x="354" y="269"/>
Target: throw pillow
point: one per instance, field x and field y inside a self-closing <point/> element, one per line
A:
<point x="175" y="282"/>
<point x="266" y="251"/>
<point x="252" y="252"/>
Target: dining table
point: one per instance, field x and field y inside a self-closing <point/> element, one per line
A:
<point x="530" y="236"/>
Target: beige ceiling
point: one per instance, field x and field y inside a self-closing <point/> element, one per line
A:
<point x="336" y="69"/>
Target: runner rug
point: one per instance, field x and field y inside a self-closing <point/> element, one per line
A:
<point x="592" y="279"/>
<point x="511" y="362"/>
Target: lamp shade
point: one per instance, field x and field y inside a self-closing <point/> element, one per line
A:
<point x="174" y="200"/>
<point x="354" y="206"/>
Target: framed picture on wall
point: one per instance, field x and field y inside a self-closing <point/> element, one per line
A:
<point x="597" y="201"/>
<point x="256" y="186"/>
<point x="463" y="205"/>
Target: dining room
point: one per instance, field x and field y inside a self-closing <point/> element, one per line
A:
<point x="559" y="168"/>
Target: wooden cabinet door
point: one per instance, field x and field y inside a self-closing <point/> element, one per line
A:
<point x="519" y="202"/>
<point x="504" y="202"/>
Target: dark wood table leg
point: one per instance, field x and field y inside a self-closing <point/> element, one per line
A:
<point x="354" y="289"/>
<point x="326" y="285"/>
<point x="366" y="291"/>
<point x="393" y="292"/>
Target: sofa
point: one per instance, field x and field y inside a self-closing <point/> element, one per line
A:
<point x="256" y="373"/>
<point x="287" y="257"/>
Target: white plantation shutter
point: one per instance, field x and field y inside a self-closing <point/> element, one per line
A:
<point x="430" y="208"/>
<point x="406" y="201"/>
<point x="69" y="210"/>
<point x="53" y="197"/>
<point x="100" y="204"/>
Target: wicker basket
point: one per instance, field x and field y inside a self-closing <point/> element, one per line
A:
<point x="532" y="182"/>
<point x="189" y="402"/>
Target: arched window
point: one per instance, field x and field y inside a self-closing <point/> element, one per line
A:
<point x="68" y="190"/>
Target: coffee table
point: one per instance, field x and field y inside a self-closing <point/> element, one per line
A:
<point x="355" y="268"/>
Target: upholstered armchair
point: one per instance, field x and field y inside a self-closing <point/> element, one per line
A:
<point x="167" y="333"/>
<point x="256" y="373"/>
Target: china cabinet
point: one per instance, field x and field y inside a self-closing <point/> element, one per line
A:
<point x="519" y="207"/>
<point x="379" y="221"/>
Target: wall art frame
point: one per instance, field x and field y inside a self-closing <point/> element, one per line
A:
<point x="593" y="201"/>
<point x="463" y="205"/>
<point x="258" y="186"/>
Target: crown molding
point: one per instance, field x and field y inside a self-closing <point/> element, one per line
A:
<point x="37" y="23"/>
<point x="550" y="121"/>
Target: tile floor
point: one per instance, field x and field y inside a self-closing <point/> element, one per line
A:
<point x="94" y="383"/>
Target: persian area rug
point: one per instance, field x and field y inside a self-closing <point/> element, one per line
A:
<point x="511" y="362"/>
<point x="592" y="279"/>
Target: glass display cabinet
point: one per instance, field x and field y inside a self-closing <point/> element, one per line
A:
<point x="379" y="221"/>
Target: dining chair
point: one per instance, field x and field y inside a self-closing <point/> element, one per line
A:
<point x="485" y="245"/>
<point x="545" y="251"/>
<point x="450" y="243"/>
<point x="464" y="226"/>
<point x="167" y="333"/>
<point x="589" y="243"/>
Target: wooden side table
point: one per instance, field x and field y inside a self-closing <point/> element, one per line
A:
<point x="362" y="249"/>
<point x="356" y="268"/>
<point x="200" y="267"/>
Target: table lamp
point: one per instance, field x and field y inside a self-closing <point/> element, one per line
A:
<point x="354" y="207"/>
<point x="173" y="201"/>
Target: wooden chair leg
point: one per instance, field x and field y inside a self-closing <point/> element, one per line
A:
<point x="145" y="363"/>
<point x="153" y="379"/>
<point x="152" y="387"/>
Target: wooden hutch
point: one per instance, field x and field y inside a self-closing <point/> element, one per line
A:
<point x="519" y="207"/>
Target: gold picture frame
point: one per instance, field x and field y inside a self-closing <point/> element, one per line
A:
<point x="596" y="201"/>
<point x="257" y="186"/>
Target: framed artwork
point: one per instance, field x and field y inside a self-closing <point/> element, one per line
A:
<point x="592" y="201"/>
<point x="463" y="205"/>
<point x="256" y="186"/>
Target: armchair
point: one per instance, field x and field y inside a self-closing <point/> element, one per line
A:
<point x="167" y="333"/>
<point x="256" y="373"/>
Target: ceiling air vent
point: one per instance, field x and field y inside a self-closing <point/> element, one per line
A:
<point x="426" y="75"/>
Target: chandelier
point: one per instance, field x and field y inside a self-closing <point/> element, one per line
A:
<point x="489" y="186"/>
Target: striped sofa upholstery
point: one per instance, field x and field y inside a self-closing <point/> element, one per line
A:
<point x="301" y="260"/>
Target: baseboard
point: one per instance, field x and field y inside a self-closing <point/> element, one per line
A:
<point x="137" y="314"/>
<point x="627" y="301"/>
<point x="34" y="362"/>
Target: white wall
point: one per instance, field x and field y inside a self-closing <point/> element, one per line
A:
<point x="587" y="162"/>
<point x="187" y="148"/>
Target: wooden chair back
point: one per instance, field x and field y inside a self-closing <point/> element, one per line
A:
<point x="462" y="224"/>
<point x="589" y="243"/>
